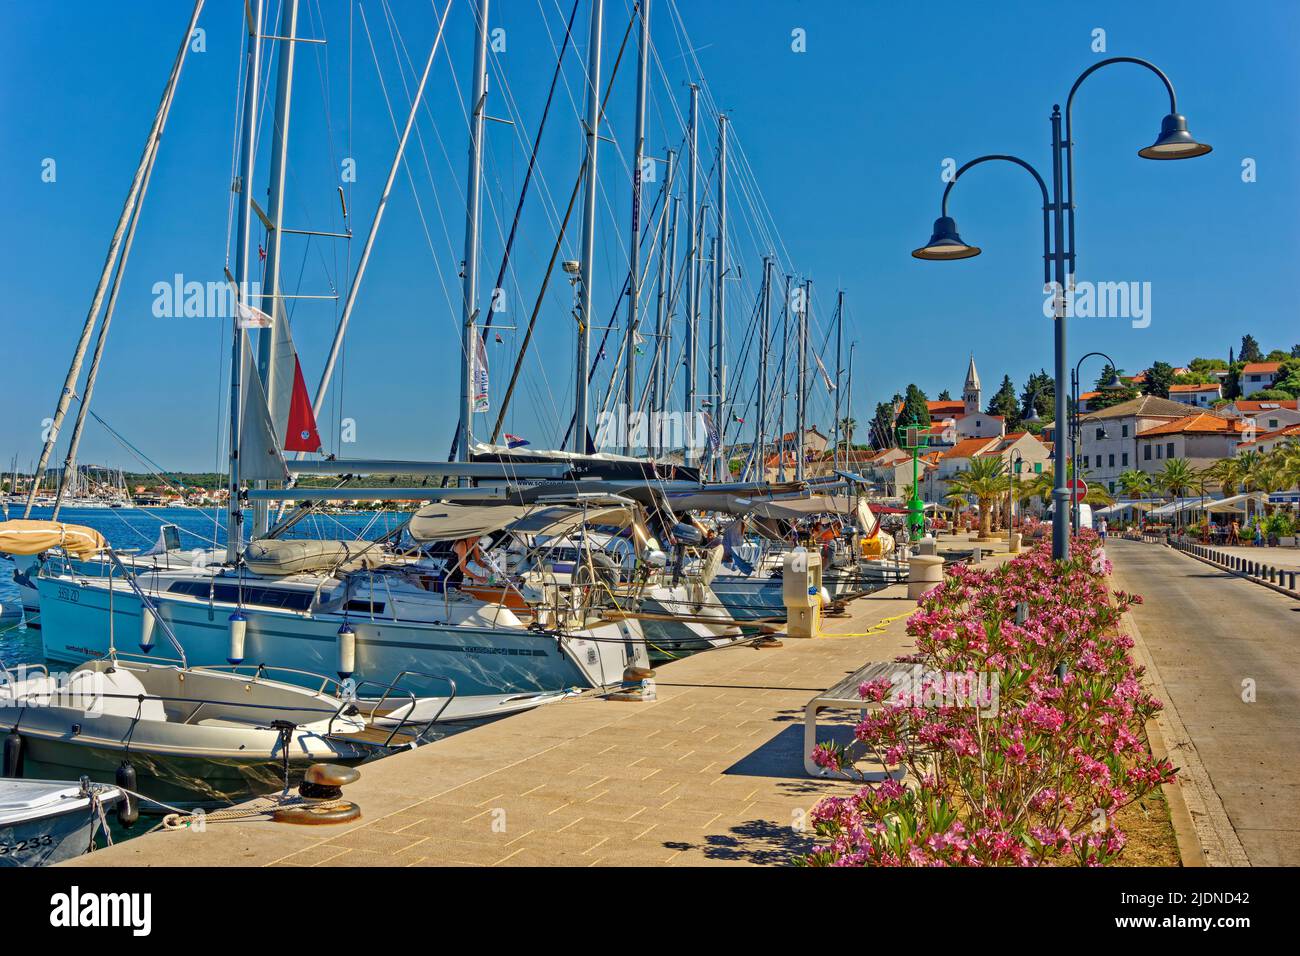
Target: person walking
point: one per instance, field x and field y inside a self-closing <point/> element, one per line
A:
<point x="1101" y="529"/>
<point x="1234" y="533"/>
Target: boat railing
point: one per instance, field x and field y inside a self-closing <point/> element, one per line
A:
<point x="147" y="605"/>
<point x="161" y="698"/>
<point x="262" y="670"/>
<point x="390" y="691"/>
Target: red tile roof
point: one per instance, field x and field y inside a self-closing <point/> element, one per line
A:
<point x="1200" y="387"/>
<point x="1261" y="368"/>
<point x="969" y="447"/>
<point x="1252" y="405"/>
<point x="1200" y="423"/>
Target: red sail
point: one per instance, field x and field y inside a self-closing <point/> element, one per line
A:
<point x="301" y="434"/>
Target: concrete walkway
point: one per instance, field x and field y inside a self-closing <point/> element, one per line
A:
<point x="1228" y="654"/>
<point x="710" y="773"/>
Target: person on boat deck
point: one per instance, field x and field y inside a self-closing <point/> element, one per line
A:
<point x="472" y="565"/>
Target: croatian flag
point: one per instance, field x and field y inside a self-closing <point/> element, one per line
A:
<point x="514" y="441"/>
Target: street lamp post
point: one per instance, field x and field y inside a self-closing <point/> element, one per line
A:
<point x="1076" y="438"/>
<point x="1173" y="142"/>
<point x="1014" y="461"/>
<point x="913" y="438"/>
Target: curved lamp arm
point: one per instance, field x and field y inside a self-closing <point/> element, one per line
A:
<point x="1042" y="186"/>
<point x="1069" y="132"/>
<point x="1079" y="364"/>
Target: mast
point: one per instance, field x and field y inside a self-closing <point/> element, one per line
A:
<point x="839" y="338"/>
<point x="692" y="264"/>
<point x="720" y="293"/>
<point x="666" y="381"/>
<point x="848" y="401"/>
<point x="247" y="164"/>
<point x="588" y="261"/>
<point x="341" y="329"/>
<point x="655" y="385"/>
<point x="128" y="207"/>
<point x="764" y="332"/>
<point x="801" y="399"/>
<point x="272" y="302"/>
<point x="785" y="374"/>
<point x="473" y="206"/>
<point x="715" y="348"/>
<point x="634" y="245"/>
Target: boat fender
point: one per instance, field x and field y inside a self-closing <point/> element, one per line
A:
<point x="347" y="651"/>
<point x="13" y="759"/>
<point x="238" y="625"/>
<point x="147" y="623"/>
<point x="128" y="811"/>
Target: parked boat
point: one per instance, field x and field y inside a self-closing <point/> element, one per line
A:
<point x="193" y="735"/>
<point x="43" y="822"/>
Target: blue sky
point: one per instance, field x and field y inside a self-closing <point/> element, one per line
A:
<point x="845" y="141"/>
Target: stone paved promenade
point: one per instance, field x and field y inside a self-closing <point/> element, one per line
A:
<point x="711" y="773"/>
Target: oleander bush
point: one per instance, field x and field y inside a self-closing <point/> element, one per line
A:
<point x="1033" y="776"/>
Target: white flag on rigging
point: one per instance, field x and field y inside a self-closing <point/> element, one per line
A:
<point x="830" y="386"/>
<point x="479" y="375"/>
<point x="251" y="317"/>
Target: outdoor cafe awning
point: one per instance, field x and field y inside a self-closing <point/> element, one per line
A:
<point x="1237" y="503"/>
<point x="1178" y="506"/>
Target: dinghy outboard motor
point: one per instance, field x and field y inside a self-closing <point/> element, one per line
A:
<point x="128" y="811"/>
<point x="13" y="759"/>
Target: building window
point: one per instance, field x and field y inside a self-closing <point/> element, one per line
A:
<point x="1112" y="461"/>
<point x="1146" y="453"/>
<point x="1160" y="451"/>
<point x="1123" y="431"/>
<point x="1111" y="486"/>
<point x="1038" y="468"/>
<point x="1169" y="450"/>
<point x="1272" y="423"/>
<point x="1101" y="433"/>
<point x="1123" y="460"/>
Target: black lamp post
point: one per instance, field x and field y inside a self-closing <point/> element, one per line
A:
<point x="1113" y="384"/>
<point x="1174" y="142"/>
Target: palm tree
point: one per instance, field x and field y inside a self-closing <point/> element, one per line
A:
<point x="1227" y="472"/>
<point x="1134" y="483"/>
<point x="987" y="479"/>
<point x="1176" y="478"/>
<point x="847" y="427"/>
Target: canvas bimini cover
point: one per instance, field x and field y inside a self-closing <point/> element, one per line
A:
<point x="274" y="556"/>
<point x="25" y="537"/>
<point x="448" y="521"/>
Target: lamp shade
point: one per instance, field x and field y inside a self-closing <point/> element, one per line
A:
<point x="945" y="243"/>
<point x="1114" y="384"/>
<point x="1174" y="141"/>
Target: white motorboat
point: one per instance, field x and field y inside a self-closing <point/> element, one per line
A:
<point x="191" y="735"/>
<point x="43" y="822"/>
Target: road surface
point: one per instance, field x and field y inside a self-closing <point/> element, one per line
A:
<point x="1228" y="652"/>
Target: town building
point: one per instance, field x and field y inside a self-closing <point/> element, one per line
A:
<point x="1201" y="439"/>
<point x="1108" y="437"/>
<point x="1257" y="376"/>
<point x="1202" y="395"/>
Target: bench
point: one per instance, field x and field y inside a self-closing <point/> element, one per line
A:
<point x="845" y="696"/>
